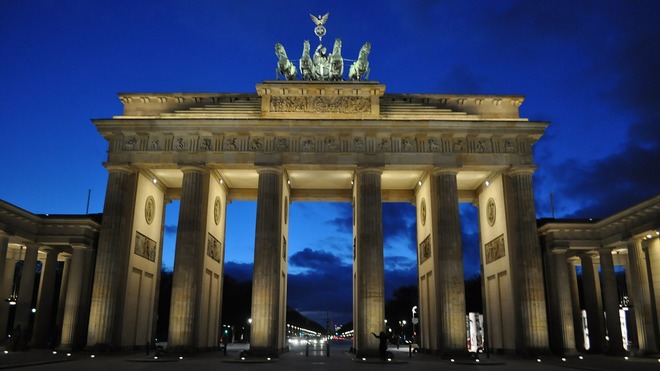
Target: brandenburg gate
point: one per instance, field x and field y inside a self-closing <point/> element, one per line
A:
<point x="317" y="141"/>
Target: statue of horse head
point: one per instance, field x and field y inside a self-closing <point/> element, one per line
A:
<point x="359" y="70"/>
<point x="366" y="48"/>
<point x="306" y="64"/>
<point x="284" y="65"/>
<point x="336" y="62"/>
<point x="279" y="51"/>
<point x="337" y="48"/>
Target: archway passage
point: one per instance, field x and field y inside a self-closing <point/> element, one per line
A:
<point x="343" y="141"/>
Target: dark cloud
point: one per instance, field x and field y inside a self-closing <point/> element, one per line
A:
<point x="325" y="288"/>
<point x="399" y="225"/>
<point x="314" y="259"/>
<point x="241" y="272"/>
<point x="584" y="187"/>
<point x="611" y="184"/>
<point x="400" y="263"/>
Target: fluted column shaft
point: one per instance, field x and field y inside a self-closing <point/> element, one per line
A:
<point x="72" y="309"/>
<point x="529" y="289"/>
<point x="369" y="260"/>
<point x="42" y="320"/>
<point x="111" y="255"/>
<point x="190" y="247"/>
<point x="28" y="272"/>
<point x="8" y="265"/>
<point x="266" y="278"/>
<point x="593" y="304"/>
<point x="450" y="281"/>
<point x="640" y="295"/>
<point x="62" y="298"/>
<point x="611" y="303"/>
<point x="575" y="303"/>
<point x="562" y="296"/>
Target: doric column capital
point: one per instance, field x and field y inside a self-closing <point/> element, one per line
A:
<point x="186" y="168"/>
<point x="270" y="169"/>
<point x="575" y="260"/>
<point x="120" y="168"/>
<point x="369" y="169"/>
<point x="590" y="254"/>
<point x="445" y="170"/>
<point x="31" y="245"/>
<point x="520" y="170"/>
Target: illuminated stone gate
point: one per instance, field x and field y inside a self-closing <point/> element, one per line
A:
<point x="325" y="141"/>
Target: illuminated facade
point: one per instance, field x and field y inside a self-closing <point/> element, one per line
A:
<point x="330" y="141"/>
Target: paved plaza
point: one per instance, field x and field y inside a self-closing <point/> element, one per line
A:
<point x="317" y="359"/>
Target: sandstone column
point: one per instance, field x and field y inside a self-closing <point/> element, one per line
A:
<point x="266" y="277"/>
<point x="72" y="304"/>
<point x="640" y="295"/>
<point x="7" y="264"/>
<point x="448" y="253"/>
<point x="527" y="264"/>
<point x="62" y="298"/>
<point x="611" y="303"/>
<point x="593" y="303"/>
<point x="188" y="264"/>
<point x="111" y="257"/>
<point x="575" y="303"/>
<point x="561" y="300"/>
<point x="42" y="322"/>
<point x="369" y="261"/>
<point x="26" y="289"/>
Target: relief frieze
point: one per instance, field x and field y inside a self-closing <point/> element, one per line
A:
<point x="358" y="144"/>
<point x="214" y="248"/>
<point x="256" y="144"/>
<point x="340" y="105"/>
<point x="145" y="247"/>
<point x="180" y="144"/>
<point x="230" y="144"/>
<point x="458" y="145"/>
<point x="408" y="144"/>
<point x="332" y="144"/>
<point x="495" y="249"/>
<point x="205" y="144"/>
<point x="155" y="144"/>
<point x="435" y="145"/>
<point x="131" y="144"/>
<point x="281" y="144"/>
<point x="425" y="249"/>
<point x="322" y="144"/>
<point x="483" y="145"/>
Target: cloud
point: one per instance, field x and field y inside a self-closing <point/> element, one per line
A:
<point x="325" y="288"/>
<point x="399" y="226"/>
<point x="241" y="272"/>
<point x="625" y="175"/>
<point x="314" y="259"/>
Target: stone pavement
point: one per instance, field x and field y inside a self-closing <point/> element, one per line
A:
<point x="317" y="360"/>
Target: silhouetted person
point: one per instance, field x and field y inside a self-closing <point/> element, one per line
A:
<point x="382" y="345"/>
